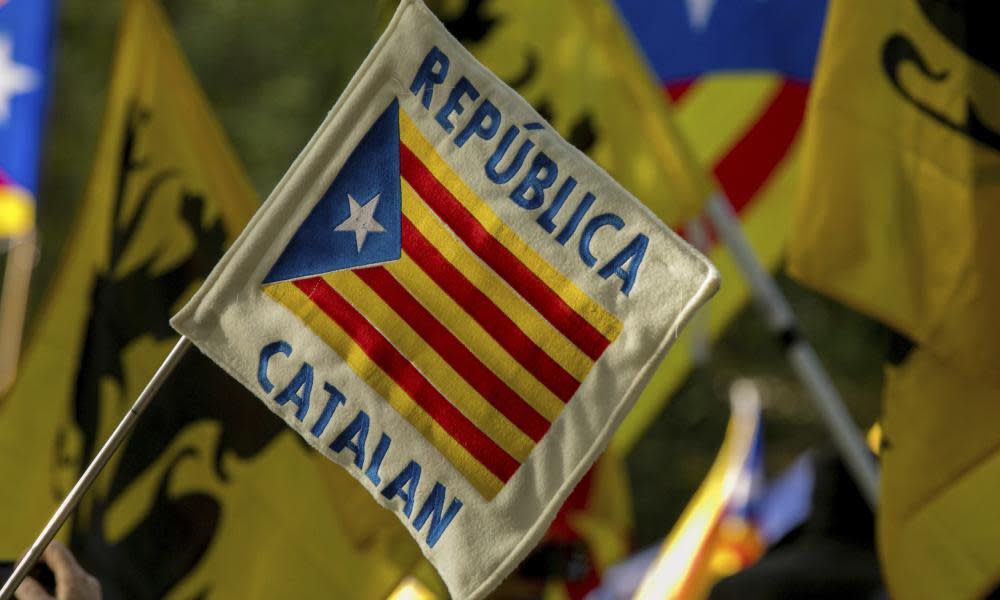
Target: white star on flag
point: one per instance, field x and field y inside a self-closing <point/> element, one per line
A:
<point x="361" y="220"/>
<point x="14" y="78"/>
<point x="699" y="13"/>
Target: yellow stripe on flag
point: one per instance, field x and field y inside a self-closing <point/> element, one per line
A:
<point x="514" y="306"/>
<point x="475" y="339"/>
<point x="411" y="345"/>
<point x="721" y="109"/>
<point x="17" y="211"/>
<point x="594" y="313"/>
<point x="296" y="301"/>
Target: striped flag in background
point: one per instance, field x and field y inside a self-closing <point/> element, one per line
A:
<point x="471" y="334"/>
<point x="25" y="49"/>
<point x="737" y="75"/>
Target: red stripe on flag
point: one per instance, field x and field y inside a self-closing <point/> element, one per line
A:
<point x="499" y="258"/>
<point x="492" y="319"/>
<point x="676" y="90"/>
<point x="451" y="349"/>
<point x="408" y="378"/>
<point x="748" y="164"/>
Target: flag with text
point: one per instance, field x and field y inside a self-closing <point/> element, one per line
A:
<point x="449" y="300"/>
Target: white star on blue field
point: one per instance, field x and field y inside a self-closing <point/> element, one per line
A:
<point x="361" y="221"/>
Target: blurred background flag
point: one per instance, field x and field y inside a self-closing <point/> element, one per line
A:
<point x="737" y="75"/>
<point x="897" y="218"/>
<point x="202" y="499"/>
<point x="718" y="533"/>
<point x="936" y="526"/>
<point x="758" y="517"/>
<point x="900" y="181"/>
<point x="25" y="48"/>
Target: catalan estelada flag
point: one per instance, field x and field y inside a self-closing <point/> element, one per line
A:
<point x="716" y="535"/>
<point x="449" y="300"/>
<point x="25" y="48"/>
<point x="736" y="76"/>
<point x="17" y="208"/>
<point x="499" y="339"/>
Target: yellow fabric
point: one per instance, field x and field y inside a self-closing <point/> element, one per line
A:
<point x="897" y="211"/>
<point x="17" y="211"/>
<point x="897" y="218"/>
<point x="280" y="506"/>
<point x="575" y="63"/>
<point x="412" y="588"/>
<point x="937" y="527"/>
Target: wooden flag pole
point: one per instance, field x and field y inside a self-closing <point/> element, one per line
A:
<point x="94" y="469"/>
<point x="782" y="323"/>
<point x="13" y="305"/>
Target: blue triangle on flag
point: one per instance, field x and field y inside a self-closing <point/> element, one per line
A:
<point x="357" y="221"/>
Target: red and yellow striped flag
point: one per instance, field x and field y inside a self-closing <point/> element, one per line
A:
<point x="446" y="298"/>
<point x="463" y="271"/>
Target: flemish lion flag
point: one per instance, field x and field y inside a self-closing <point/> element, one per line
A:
<point x="206" y="497"/>
<point x="902" y="173"/>
<point x="450" y="301"/>
<point x="899" y="219"/>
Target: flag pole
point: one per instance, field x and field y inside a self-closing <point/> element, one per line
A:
<point x="14" y="303"/>
<point x="799" y="352"/>
<point x="94" y="469"/>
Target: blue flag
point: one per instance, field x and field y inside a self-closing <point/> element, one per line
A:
<point x="25" y="49"/>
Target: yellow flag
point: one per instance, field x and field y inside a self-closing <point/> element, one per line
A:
<point x="937" y="529"/>
<point x="897" y="218"/>
<point x="207" y="498"/>
<point x="898" y="208"/>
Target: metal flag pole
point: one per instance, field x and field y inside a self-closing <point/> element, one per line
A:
<point x="94" y="469"/>
<point x="782" y="322"/>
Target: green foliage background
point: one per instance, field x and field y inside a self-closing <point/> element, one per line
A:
<point x="272" y="69"/>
